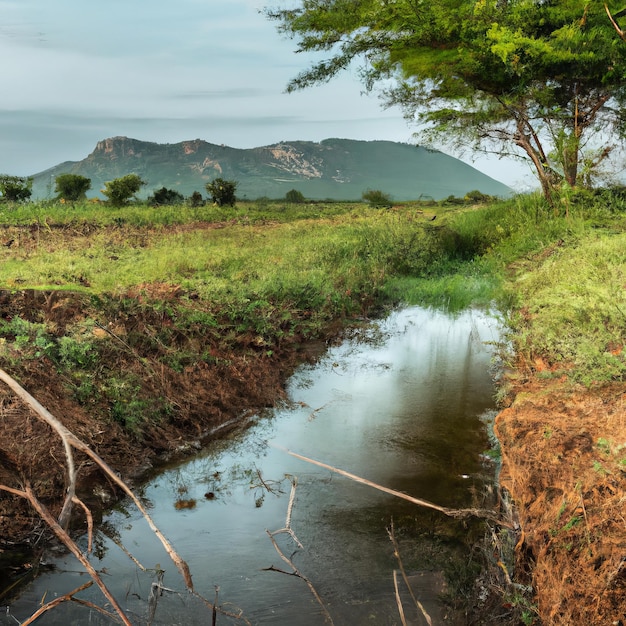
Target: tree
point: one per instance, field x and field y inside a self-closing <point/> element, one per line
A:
<point x="222" y="191"/>
<point x="72" y="187"/>
<point x="165" y="196"/>
<point x="15" y="188"/>
<point x="120" y="190"/>
<point x="196" y="200"/>
<point x="528" y="78"/>
<point x="294" y="196"/>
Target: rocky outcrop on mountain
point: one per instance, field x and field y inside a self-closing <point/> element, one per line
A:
<point x="339" y="169"/>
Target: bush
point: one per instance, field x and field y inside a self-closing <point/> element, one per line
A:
<point x="15" y="188"/>
<point x="120" y="190"/>
<point x="294" y="196"/>
<point x="222" y="191"/>
<point x="477" y="196"/>
<point x="377" y="198"/>
<point x="196" y="199"/>
<point x="165" y="196"/>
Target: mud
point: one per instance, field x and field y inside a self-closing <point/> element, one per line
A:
<point x="207" y="399"/>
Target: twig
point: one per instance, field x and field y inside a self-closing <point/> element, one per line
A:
<point x="299" y="574"/>
<point x="123" y="548"/>
<point x="221" y="611"/>
<point x="70" y="597"/>
<point x="154" y="596"/>
<point x="398" y="600"/>
<point x="295" y="572"/>
<point x="287" y="529"/>
<point x="396" y="553"/>
<point x="619" y="31"/>
<point x="62" y="535"/>
<point x="456" y="513"/>
<point x="89" y="517"/>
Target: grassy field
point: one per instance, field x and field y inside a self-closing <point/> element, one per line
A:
<point x="273" y="265"/>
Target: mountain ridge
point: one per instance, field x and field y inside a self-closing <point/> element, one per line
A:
<point x="339" y="169"/>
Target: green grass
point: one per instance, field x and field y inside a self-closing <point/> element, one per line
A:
<point x="556" y="275"/>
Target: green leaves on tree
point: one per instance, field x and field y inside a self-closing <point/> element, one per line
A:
<point x="534" y="80"/>
<point x="120" y="190"/>
<point x="71" y="187"/>
<point x="222" y="191"/>
<point x="15" y="188"/>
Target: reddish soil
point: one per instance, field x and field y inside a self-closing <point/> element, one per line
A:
<point x="564" y="464"/>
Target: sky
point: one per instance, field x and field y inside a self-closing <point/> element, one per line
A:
<point x="79" y="71"/>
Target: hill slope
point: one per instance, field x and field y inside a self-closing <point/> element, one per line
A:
<point x="341" y="169"/>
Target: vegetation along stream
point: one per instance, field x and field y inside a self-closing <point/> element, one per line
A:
<point x="401" y="403"/>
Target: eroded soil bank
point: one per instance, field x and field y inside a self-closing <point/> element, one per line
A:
<point x="564" y="463"/>
<point x="202" y="398"/>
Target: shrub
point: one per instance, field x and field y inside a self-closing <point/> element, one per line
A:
<point x="120" y="190"/>
<point x="15" y="188"/>
<point x="222" y="191"/>
<point x="72" y="187"/>
<point x="196" y="199"/>
<point x="377" y="198"/>
<point x="294" y="196"/>
<point x="477" y="196"/>
<point x="166" y="197"/>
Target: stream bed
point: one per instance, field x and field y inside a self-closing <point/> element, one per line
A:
<point x="402" y="403"/>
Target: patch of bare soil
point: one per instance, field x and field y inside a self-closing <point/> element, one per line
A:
<point x="564" y="464"/>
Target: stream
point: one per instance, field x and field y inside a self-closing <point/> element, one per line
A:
<point x="402" y="403"/>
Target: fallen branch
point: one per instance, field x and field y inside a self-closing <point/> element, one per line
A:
<point x="287" y="529"/>
<point x="89" y="518"/>
<point x="71" y="441"/>
<point x="69" y="597"/>
<point x="456" y="513"/>
<point x="398" y="600"/>
<point x="62" y="535"/>
<point x="618" y="30"/>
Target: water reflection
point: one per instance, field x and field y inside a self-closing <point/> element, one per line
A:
<point x="399" y="404"/>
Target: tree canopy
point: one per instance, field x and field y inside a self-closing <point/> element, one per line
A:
<point x="531" y="78"/>
<point x="222" y="191"/>
<point x="120" y="190"/>
<point x="15" y="188"/>
<point x="72" y="187"/>
<point x="166" y="197"/>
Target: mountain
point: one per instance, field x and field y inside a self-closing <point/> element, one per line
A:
<point x="341" y="169"/>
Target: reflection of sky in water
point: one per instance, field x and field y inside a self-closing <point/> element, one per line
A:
<point x="400" y="408"/>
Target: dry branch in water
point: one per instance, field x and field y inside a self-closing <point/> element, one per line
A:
<point x="295" y="572"/>
<point x="68" y="597"/>
<point x="396" y="553"/>
<point x="456" y="513"/>
<point x="59" y="527"/>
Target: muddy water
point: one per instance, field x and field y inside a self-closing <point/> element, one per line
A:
<point x="401" y="404"/>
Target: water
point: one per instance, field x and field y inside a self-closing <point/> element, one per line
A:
<point x="399" y="404"/>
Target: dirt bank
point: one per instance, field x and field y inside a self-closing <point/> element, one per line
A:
<point x="192" y="397"/>
<point x="564" y="463"/>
